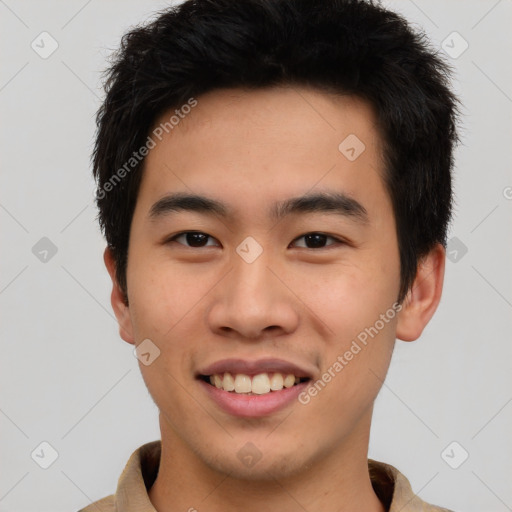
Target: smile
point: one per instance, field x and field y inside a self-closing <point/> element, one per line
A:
<point x="254" y="388"/>
<point x="259" y="384"/>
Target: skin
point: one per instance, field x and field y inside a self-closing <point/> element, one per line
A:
<point x="199" y="305"/>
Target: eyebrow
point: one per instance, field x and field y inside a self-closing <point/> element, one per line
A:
<point x="322" y="202"/>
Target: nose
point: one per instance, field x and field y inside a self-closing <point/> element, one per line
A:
<point x="253" y="303"/>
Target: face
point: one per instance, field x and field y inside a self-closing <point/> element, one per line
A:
<point x="262" y="249"/>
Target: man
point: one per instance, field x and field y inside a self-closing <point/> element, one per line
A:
<point x="274" y="184"/>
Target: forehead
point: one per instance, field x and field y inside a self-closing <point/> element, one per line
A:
<point x="274" y="111"/>
<point x="267" y="144"/>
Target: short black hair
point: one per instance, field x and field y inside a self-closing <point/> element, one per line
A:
<point x="337" y="46"/>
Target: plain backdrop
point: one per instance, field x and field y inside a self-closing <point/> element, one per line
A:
<point x="67" y="379"/>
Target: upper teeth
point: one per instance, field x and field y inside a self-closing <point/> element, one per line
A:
<point x="259" y="384"/>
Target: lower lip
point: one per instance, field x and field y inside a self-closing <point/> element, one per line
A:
<point x="253" y="406"/>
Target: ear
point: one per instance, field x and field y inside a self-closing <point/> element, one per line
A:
<point x="117" y="299"/>
<point x="423" y="298"/>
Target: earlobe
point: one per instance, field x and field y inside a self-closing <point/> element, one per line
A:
<point x="423" y="298"/>
<point x="117" y="299"/>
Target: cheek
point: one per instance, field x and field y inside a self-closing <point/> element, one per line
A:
<point x="159" y="297"/>
<point x="355" y="300"/>
<point x="356" y="357"/>
<point x="162" y="306"/>
<point x="167" y="305"/>
<point x="349" y="296"/>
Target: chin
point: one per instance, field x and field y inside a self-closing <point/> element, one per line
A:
<point x="252" y="465"/>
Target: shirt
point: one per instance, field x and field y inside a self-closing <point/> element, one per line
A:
<point x="391" y="487"/>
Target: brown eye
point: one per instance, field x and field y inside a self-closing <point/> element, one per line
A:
<point x="195" y="239"/>
<point x="314" y="241"/>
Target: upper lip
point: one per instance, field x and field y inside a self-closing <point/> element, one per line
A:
<point x="248" y="367"/>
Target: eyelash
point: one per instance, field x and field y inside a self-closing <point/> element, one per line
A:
<point x="329" y="237"/>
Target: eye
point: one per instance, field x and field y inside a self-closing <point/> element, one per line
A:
<point x="315" y="241"/>
<point x="194" y="239"/>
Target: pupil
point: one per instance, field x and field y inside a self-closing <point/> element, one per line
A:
<point x="196" y="239"/>
<point x="315" y="240"/>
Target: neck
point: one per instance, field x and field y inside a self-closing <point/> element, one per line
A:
<point x="338" y="481"/>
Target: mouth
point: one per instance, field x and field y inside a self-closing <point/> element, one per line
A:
<point x="259" y="384"/>
<point x="254" y="389"/>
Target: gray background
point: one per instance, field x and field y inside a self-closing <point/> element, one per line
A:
<point x="68" y="379"/>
